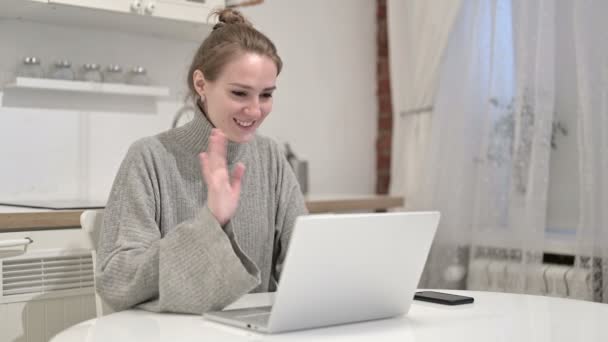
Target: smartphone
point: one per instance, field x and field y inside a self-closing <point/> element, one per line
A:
<point x="442" y="298"/>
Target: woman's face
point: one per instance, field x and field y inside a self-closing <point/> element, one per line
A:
<point x="241" y="97"/>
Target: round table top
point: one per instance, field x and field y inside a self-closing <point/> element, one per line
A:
<point x="493" y="317"/>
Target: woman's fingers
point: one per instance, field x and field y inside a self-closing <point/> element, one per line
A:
<point x="203" y="159"/>
<point x="217" y="150"/>
<point x="237" y="176"/>
<point x="223" y="187"/>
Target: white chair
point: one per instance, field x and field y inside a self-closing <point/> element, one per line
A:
<point x="91" y="223"/>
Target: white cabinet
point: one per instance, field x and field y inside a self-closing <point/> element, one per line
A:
<point x="195" y="11"/>
<point x="181" y="9"/>
<point x="124" y="6"/>
<point x="182" y="19"/>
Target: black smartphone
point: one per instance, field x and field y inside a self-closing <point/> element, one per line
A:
<point x="442" y="298"/>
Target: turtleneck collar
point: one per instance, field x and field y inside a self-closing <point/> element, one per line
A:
<point x="194" y="137"/>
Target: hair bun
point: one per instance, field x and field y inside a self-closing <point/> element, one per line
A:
<point x="229" y="16"/>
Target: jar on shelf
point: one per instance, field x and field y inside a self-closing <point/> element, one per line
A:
<point x="62" y="70"/>
<point x="113" y="74"/>
<point x="30" y="67"/>
<point x="138" y="76"/>
<point x="91" y="73"/>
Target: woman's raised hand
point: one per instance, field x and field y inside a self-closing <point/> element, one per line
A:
<point x="223" y="189"/>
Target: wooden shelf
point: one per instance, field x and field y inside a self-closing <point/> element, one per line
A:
<point x="26" y="83"/>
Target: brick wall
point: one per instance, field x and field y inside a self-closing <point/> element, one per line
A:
<point x="385" y="112"/>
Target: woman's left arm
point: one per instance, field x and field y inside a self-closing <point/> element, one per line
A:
<point x="291" y="204"/>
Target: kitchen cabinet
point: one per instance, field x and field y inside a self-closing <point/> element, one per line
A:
<point x="183" y="10"/>
<point x="181" y="19"/>
<point x="121" y="6"/>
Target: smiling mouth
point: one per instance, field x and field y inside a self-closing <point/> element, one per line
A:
<point x="244" y="124"/>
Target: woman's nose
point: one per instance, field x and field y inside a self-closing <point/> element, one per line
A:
<point x="253" y="109"/>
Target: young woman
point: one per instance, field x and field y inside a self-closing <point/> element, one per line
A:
<point x="202" y="214"/>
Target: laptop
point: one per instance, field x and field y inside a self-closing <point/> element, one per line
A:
<point x="344" y="268"/>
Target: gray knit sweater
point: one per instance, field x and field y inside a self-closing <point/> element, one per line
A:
<point x="160" y="246"/>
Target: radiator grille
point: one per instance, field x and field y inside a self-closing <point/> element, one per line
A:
<point x="40" y="275"/>
<point x="496" y="275"/>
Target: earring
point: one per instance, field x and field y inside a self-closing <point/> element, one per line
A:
<point x="202" y="98"/>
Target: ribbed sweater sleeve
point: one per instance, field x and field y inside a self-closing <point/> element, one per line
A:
<point x="290" y="204"/>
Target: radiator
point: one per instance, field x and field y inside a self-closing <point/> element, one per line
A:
<point x="567" y="281"/>
<point x="45" y="287"/>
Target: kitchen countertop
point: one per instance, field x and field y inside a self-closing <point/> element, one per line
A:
<point x="19" y="219"/>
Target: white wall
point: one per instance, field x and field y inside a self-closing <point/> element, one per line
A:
<point x="325" y="104"/>
<point x="73" y="150"/>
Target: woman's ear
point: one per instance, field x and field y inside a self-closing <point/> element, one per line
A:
<point x="198" y="79"/>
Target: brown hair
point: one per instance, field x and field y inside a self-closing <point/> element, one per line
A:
<point x="231" y="36"/>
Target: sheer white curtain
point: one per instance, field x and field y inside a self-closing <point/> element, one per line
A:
<point x="591" y="48"/>
<point x="490" y="144"/>
<point x="513" y="217"/>
<point x="418" y="32"/>
<point x="483" y="157"/>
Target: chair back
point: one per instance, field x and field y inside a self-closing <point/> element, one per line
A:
<point x="91" y="222"/>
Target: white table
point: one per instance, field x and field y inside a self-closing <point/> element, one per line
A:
<point x="493" y="317"/>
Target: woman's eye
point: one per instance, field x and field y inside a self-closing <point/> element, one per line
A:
<point x="239" y="93"/>
<point x="267" y="95"/>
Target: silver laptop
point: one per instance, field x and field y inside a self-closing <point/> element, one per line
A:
<point x="344" y="268"/>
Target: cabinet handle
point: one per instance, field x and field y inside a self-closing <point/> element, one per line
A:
<point x="135" y="5"/>
<point x="150" y="7"/>
<point x="17" y="242"/>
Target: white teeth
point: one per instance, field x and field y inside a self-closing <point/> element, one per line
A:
<point x="244" y="123"/>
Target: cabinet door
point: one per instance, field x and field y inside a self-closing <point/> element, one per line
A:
<point x="196" y="11"/>
<point x="124" y="6"/>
